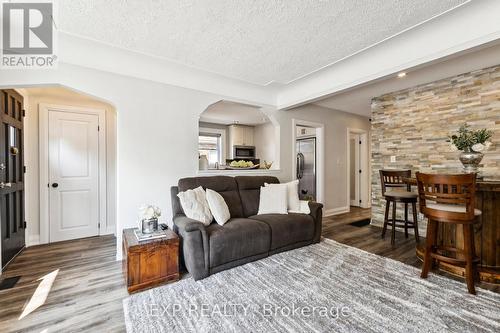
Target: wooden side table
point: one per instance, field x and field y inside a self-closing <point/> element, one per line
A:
<point x="150" y="262"/>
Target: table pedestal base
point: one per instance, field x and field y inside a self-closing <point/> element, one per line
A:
<point x="486" y="274"/>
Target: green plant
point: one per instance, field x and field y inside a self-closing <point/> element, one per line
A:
<point x="471" y="140"/>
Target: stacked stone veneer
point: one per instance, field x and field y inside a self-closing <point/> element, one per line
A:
<point x="414" y="124"/>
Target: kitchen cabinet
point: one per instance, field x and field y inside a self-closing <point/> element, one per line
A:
<point x="240" y="135"/>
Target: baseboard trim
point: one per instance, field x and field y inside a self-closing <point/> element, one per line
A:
<point x="33" y="240"/>
<point x="108" y="231"/>
<point x="336" y="211"/>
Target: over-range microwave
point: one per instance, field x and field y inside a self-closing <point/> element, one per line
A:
<point x="243" y="152"/>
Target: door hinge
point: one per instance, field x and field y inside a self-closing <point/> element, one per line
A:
<point x="98" y="128"/>
<point x="24" y="225"/>
<point x="359" y="200"/>
<point x="24" y="168"/>
<point x="359" y="141"/>
<point x="359" y="170"/>
<point x="24" y="113"/>
<point x="99" y="225"/>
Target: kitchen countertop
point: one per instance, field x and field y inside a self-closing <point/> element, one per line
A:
<point x="255" y="172"/>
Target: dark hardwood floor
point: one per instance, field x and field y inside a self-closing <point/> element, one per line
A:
<point x="88" y="289"/>
<point x="86" y="295"/>
<point x="368" y="238"/>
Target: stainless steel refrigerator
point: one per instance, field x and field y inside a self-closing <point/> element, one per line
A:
<point x="306" y="168"/>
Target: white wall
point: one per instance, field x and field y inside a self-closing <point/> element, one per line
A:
<point x="60" y="96"/>
<point x="264" y="138"/>
<point x="157" y="135"/>
<point x="157" y="132"/>
<point x="336" y="124"/>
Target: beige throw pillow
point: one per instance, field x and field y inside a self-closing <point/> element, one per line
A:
<point x="218" y="207"/>
<point x="195" y="205"/>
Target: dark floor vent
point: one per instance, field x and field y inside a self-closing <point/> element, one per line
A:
<point x="8" y="283"/>
<point x="361" y="223"/>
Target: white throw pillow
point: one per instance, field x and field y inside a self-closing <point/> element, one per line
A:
<point x="293" y="201"/>
<point x="273" y="200"/>
<point x="218" y="207"/>
<point x="195" y="205"/>
<point x="304" y="208"/>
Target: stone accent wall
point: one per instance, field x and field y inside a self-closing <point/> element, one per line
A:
<point x="414" y="124"/>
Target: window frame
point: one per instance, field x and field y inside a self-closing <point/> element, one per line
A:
<point x="223" y="142"/>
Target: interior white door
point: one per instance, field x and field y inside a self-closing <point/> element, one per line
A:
<point x="73" y="175"/>
<point x="354" y="172"/>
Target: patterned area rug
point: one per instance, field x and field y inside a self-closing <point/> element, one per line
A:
<point x="326" y="287"/>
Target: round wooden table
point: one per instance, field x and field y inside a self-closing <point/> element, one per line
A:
<point x="486" y="233"/>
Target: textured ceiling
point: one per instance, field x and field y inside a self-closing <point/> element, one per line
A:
<point x="258" y="41"/>
<point x="358" y="100"/>
<point x="227" y="113"/>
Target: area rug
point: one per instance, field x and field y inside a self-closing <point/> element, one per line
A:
<point x="325" y="287"/>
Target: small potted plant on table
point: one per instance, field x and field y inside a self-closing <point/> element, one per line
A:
<point x="472" y="144"/>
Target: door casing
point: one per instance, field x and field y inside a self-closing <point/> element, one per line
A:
<point x="44" y="110"/>
<point x="355" y="168"/>
<point x="364" y="166"/>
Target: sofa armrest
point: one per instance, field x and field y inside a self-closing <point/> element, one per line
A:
<point x="184" y="223"/>
<point x="194" y="244"/>
<point x="316" y="211"/>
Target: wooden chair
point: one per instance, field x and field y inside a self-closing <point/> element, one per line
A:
<point x="396" y="190"/>
<point x="449" y="199"/>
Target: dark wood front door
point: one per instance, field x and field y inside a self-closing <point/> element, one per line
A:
<point x="11" y="175"/>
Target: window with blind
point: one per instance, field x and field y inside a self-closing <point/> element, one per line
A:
<point x="209" y="144"/>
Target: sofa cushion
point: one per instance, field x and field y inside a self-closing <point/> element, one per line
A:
<point x="249" y="189"/>
<point x="288" y="229"/>
<point x="224" y="185"/>
<point x="238" y="238"/>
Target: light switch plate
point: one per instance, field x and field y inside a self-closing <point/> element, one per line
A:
<point x="393" y="159"/>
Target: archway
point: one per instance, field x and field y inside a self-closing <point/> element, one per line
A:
<point x="237" y="136"/>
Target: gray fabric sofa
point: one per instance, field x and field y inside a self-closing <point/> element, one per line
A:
<point x="246" y="236"/>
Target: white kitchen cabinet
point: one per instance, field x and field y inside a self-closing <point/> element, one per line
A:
<point x="240" y="135"/>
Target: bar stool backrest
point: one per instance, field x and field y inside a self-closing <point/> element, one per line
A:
<point x="395" y="179"/>
<point x="452" y="191"/>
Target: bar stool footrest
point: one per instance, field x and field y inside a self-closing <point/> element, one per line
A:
<point x="401" y="224"/>
<point x="450" y="260"/>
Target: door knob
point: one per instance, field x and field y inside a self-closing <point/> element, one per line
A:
<point x="4" y="185"/>
<point x="54" y="185"/>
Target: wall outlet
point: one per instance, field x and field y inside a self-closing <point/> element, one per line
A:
<point x="393" y="159"/>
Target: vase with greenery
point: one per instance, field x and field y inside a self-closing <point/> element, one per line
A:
<point x="472" y="144"/>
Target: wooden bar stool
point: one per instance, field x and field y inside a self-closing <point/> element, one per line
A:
<point x="449" y="199"/>
<point x="395" y="189"/>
